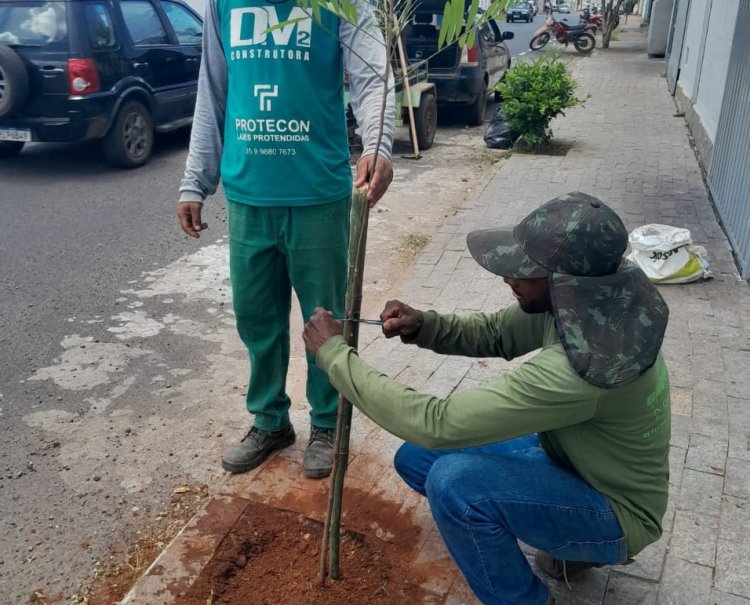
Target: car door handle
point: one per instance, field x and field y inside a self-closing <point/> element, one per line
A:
<point x="51" y="71"/>
<point x="192" y="59"/>
<point x="138" y="65"/>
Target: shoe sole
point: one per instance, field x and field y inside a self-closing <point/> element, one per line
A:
<point x="237" y="469"/>
<point x="317" y="473"/>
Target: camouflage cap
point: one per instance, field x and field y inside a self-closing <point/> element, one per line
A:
<point x="573" y="234"/>
<point x="609" y="317"/>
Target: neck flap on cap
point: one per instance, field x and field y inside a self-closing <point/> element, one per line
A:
<point x="610" y="326"/>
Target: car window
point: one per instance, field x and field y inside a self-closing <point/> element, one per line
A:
<point x="143" y="23"/>
<point x="34" y="24"/>
<point x="487" y="34"/>
<point x="99" y="25"/>
<point x="185" y="25"/>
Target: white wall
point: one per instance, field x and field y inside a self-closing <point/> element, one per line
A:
<point x="690" y="60"/>
<point x="716" y="63"/>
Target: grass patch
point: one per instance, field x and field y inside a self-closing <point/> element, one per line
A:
<point x="413" y="244"/>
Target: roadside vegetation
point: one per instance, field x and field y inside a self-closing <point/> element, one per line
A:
<point x="533" y="93"/>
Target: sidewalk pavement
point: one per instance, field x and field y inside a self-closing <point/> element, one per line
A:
<point x="631" y="150"/>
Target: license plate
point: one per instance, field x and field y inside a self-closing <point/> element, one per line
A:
<point x="15" y="134"/>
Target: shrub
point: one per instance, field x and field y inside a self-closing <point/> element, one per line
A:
<point x="533" y="93"/>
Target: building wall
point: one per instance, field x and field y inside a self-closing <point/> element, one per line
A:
<point x="703" y="69"/>
<point x="713" y="74"/>
<point x="690" y="61"/>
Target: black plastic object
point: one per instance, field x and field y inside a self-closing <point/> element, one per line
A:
<point x="499" y="135"/>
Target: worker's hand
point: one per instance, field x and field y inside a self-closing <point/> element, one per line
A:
<point x="320" y="328"/>
<point x="399" y="319"/>
<point x="377" y="178"/>
<point x="189" y="215"/>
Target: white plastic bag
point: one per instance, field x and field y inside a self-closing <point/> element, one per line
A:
<point x="667" y="254"/>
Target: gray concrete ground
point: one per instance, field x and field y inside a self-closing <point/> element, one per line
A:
<point x="629" y="149"/>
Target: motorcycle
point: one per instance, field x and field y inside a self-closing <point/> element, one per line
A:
<point x="582" y="36"/>
<point x="594" y="19"/>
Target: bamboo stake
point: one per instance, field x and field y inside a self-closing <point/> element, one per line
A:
<point x="360" y="215"/>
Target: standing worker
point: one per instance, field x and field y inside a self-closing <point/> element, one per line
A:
<point x="270" y="122"/>
<point x="569" y="451"/>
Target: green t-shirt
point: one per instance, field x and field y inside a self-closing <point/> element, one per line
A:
<point x="285" y="138"/>
<point x="615" y="439"/>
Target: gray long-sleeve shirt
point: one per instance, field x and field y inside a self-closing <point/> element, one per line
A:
<point x="364" y="57"/>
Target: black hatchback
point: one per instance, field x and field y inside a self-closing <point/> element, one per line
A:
<point x="115" y="70"/>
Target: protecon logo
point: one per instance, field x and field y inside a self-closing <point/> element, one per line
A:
<point x="265" y="92"/>
<point x="252" y="26"/>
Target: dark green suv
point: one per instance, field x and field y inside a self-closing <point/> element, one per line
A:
<point x="115" y="70"/>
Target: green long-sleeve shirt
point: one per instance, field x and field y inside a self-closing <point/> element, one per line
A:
<point x="616" y="439"/>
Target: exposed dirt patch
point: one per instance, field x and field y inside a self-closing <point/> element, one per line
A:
<point x="113" y="579"/>
<point x="273" y="556"/>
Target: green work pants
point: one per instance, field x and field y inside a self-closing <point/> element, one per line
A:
<point x="271" y="251"/>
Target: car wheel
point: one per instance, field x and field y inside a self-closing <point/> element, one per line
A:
<point x="14" y="81"/>
<point x="475" y="112"/>
<point x="508" y="20"/>
<point x="10" y="149"/>
<point x="131" y="138"/>
<point x="425" y="120"/>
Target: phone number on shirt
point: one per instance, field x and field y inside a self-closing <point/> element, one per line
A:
<point x="270" y="151"/>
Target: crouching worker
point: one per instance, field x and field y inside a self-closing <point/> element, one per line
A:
<point x="568" y="452"/>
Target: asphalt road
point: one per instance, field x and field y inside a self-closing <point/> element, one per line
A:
<point x="74" y="233"/>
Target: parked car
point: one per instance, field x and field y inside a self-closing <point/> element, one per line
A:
<point x="462" y="76"/>
<point x="115" y="70"/>
<point x="523" y="11"/>
<point x="563" y="8"/>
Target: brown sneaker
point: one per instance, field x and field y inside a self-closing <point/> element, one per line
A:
<point x="318" y="460"/>
<point x="255" y="448"/>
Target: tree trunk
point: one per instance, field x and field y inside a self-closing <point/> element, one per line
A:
<point x="610" y="19"/>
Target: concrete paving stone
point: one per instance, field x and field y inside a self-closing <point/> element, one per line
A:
<point x="435" y="564"/>
<point x="733" y="567"/>
<point x="694" y="537"/>
<point x="735" y="519"/>
<point x="626" y="590"/>
<point x="445" y="379"/>
<point x="722" y="598"/>
<point x="460" y="594"/>
<point x="649" y="563"/>
<point x="700" y="492"/>
<point x="709" y="400"/>
<point x="739" y="440"/>
<point x="588" y="589"/>
<point x="676" y="466"/>
<point x="711" y="427"/>
<point x="681" y="428"/>
<point x="737" y="364"/>
<point x="737" y="478"/>
<point x="738" y="409"/>
<point x="684" y="583"/>
<point x="681" y="401"/>
<point x="707" y="454"/>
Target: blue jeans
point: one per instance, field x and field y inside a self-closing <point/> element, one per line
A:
<point x="484" y="499"/>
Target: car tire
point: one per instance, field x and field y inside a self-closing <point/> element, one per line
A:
<point x="10" y="149"/>
<point x="425" y="120"/>
<point x="508" y="20"/>
<point x="476" y="111"/>
<point x="130" y="139"/>
<point x="14" y="81"/>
